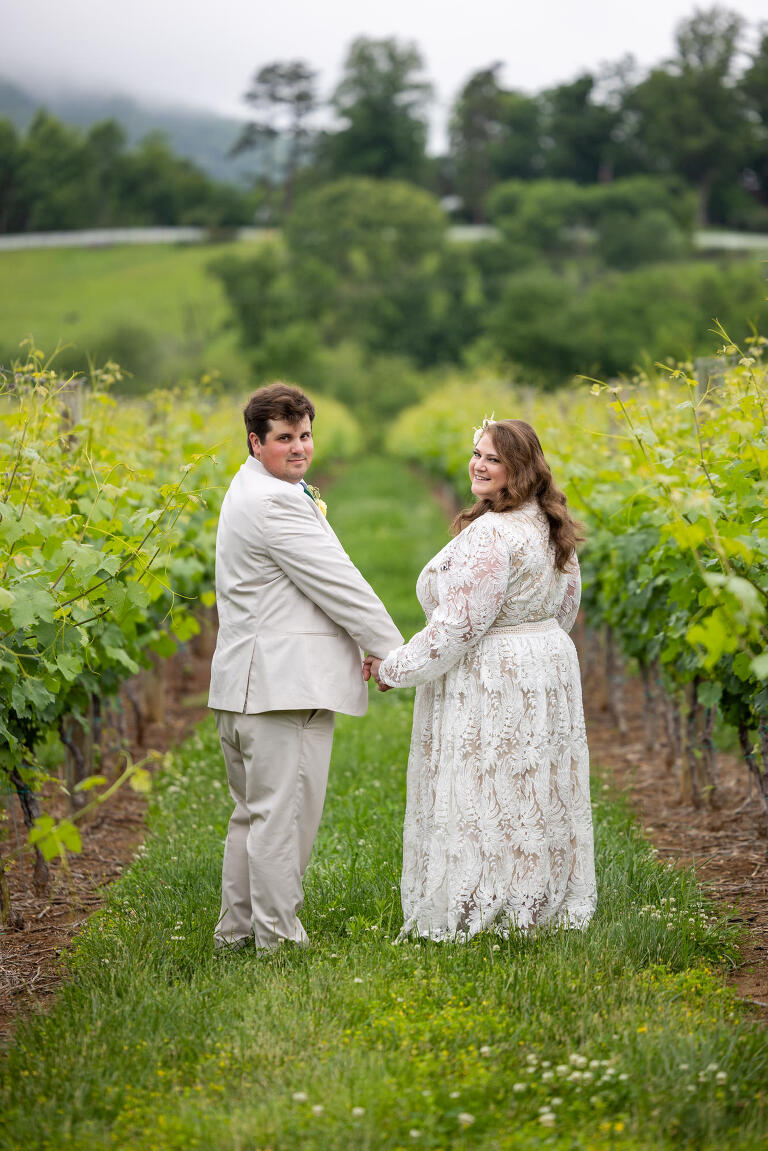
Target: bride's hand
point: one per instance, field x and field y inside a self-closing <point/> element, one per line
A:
<point x="371" y="667"/>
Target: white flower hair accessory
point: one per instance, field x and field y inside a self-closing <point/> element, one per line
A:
<point x="483" y="427"/>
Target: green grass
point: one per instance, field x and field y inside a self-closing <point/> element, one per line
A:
<point x="152" y="306"/>
<point x="624" y="1033"/>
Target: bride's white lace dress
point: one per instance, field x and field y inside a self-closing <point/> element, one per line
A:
<point x="498" y="825"/>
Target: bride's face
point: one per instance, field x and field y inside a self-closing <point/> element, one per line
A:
<point x="486" y="471"/>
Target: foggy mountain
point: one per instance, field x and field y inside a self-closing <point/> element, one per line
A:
<point x="203" y="137"/>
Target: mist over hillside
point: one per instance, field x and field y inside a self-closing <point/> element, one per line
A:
<point x="203" y="137"/>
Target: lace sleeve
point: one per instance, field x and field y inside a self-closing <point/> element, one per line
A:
<point x="569" y="608"/>
<point x="471" y="586"/>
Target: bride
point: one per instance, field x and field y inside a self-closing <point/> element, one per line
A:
<point x="498" y="825"/>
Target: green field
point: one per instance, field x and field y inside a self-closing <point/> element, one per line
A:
<point x="152" y="307"/>
<point x="623" y="1036"/>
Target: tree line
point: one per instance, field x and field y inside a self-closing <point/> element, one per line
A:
<point x="367" y="296"/>
<point x="702" y="116"/>
<point x="54" y="177"/>
<point x="594" y="190"/>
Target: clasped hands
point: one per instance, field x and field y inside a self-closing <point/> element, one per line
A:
<point x="371" y="667"/>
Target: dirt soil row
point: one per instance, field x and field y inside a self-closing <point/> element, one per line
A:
<point x="724" y="845"/>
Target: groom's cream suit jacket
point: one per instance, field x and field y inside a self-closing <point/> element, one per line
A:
<point x="294" y="611"/>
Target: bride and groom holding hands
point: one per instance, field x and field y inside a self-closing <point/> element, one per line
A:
<point x="498" y="828"/>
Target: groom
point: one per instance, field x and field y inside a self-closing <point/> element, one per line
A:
<point x="294" y="613"/>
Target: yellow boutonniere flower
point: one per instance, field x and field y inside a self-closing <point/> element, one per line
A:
<point x="314" y="492"/>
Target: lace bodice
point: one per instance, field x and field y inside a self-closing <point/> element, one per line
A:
<point x="498" y="572"/>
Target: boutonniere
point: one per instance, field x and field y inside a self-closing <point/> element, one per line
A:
<point x="315" y="493"/>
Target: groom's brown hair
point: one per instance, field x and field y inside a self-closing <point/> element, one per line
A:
<point x="276" y="401"/>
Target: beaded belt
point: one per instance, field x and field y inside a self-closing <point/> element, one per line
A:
<point x="522" y="628"/>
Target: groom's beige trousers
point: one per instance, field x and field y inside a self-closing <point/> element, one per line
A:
<point x="277" y="769"/>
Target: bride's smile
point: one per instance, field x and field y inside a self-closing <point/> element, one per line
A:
<point x="486" y="471"/>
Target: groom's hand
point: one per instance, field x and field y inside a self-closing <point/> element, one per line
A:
<point x="371" y="667"/>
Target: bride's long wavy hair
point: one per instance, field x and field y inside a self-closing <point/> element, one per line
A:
<point x="528" y="477"/>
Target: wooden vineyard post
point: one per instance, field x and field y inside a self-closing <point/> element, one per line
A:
<point x="153" y="690"/>
<point x="9" y="917"/>
<point x="615" y="681"/>
<point x="709" y="757"/>
<point x="760" y="776"/>
<point x="31" y="811"/>
<point x="690" y="780"/>
<point x="77" y="737"/>
<point x="650" y="713"/>
<point x="134" y="696"/>
<point x="71" y="396"/>
<point x="673" y="726"/>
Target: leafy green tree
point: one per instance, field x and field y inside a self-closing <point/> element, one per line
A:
<point x="51" y="171"/>
<point x="381" y="102"/>
<point x="383" y="241"/>
<point x="283" y="95"/>
<point x="57" y="178"/>
<point x="475" y="126"/>
<point x="554" y="326"/>
<point x="626" y="240"/>
<point x="365" y="228"/>
<point x="576" y="131"/>
<point x="516" y="150"/>
<point x="688" y="116"/>
<point x="538" y="216"/>
<point x="267" y="295"/>
<point x="12" y="205"/>
<point x="104" y="151"/>
<point x="636" y="220"/>
<point x="366" y="261"/>
<point x="754" y="88"/>
<point x="159" y="187"/>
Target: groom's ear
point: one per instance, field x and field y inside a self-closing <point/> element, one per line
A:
<point x="255" y="443"/>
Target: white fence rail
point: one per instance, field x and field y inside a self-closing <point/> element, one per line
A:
<point x="110" y="237"/>
<point x="706" y="240"/>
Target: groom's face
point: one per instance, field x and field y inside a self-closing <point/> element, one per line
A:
<point x="287" y="450"/>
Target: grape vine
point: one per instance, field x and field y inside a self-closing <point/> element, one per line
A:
<point x="669" y="471"/>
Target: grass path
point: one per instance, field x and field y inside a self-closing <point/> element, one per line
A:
<point x="620" y="1037"/>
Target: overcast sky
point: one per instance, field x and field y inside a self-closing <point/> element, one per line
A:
<point x="203" y="53"/>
